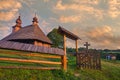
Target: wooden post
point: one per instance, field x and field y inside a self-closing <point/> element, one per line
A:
<point x="64" y="58"/>
<point x="76" y="46"/>
<point x="76" y="43"/>
<point x="64" y="45"/>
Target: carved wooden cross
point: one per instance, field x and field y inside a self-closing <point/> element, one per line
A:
<point x="87" y="45"/>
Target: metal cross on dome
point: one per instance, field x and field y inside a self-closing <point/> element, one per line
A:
<point x="87" y="45"/>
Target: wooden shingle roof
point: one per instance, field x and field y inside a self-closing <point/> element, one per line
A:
<point x="29" y="47"/>
<point x="30" y="32"/>
<point x="69" y="34"/>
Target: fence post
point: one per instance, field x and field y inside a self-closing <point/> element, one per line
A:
<point x="64" y="57"/>
<point x="76" y="43"/>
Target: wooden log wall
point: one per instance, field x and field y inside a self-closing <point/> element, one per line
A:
<point x="37" y="43"/>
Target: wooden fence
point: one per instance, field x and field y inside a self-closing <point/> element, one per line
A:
<point x="43" y="61"/>
<point x="89" y="60"/>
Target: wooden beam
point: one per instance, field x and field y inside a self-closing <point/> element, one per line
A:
<point x="34" y="55"/>
<point x="64" y="45"/>
<point x="29" y="67"/>
<point x="44" y="56"/>
<point x="31" y="61"/>
<point x="64" y="58"/>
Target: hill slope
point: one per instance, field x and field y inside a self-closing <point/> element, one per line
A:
<point x="110" y="71"/>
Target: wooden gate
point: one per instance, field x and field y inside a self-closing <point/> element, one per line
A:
<point x="89" y="59"/>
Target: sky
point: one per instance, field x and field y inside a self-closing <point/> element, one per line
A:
<point x="94" y="21"/>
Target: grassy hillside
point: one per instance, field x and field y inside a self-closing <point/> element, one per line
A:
<point x="110" y="71"/>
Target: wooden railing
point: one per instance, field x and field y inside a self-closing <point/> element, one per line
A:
<point x="55" y="61"/>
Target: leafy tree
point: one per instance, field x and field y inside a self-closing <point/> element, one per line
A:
<point x="56" y="38"/>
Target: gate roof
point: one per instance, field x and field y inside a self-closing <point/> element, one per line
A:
<point x="68" y="34"/>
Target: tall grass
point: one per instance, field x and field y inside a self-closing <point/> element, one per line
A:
<point x="110" y="71"/>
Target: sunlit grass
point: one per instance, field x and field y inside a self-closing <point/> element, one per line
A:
<point x="110" y="70"/>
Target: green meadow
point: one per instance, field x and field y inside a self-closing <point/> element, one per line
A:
<point x="110" y="70"/>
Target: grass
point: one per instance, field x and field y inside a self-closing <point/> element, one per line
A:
<point x="110" y="71"/>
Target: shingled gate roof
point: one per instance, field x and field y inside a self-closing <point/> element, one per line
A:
<point x="32" y="32"/>
<point x="67" y="33"/>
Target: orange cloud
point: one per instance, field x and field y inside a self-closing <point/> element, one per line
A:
<point x="9" y="4"/>
<point x="93" y="2"/>
<point x="59" y="6"/>
<point x="99" y="37"/>
<point x="114" y="10"/>
<point x="8" y="9"/>
<point x="81" y="8"/>
<point x="64" y="19"/>
<point x="99" y="32"/>
<point x="103" y="37"/>
<point x="6" y="16"/>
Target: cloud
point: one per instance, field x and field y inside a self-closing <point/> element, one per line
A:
<point x="100" y="31"/>
<point x="9" y="4"/>
<point x="46" y="0"/>
<point x="7" y="16"/>
<point x="93" y="2"/>
<point x="114" y="8"/>
<point x="59" y="6"/>
<point x="4" y="31"/>
<point x="29" y="3"/>
<point x="76" y="5"/>
<point x="8" y="9"/>
<point x="118" y="47"/>
<point x="82" y="7"/>
<point x="103" y="37"/>
<point x="44" y="25"/>
<point x="100" y="37"/>
<point x="67" y="19"/>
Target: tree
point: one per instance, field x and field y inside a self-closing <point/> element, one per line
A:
<point x="56" y="38"/>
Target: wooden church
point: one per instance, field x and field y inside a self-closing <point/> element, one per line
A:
<point x="29" y="38"/>
<point x="31" y="34"/>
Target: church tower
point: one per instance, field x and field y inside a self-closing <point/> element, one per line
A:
<point x="17" y="26"/>
<point x="35" y="21"/>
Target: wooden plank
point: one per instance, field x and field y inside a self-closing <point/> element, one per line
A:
<point x="29" y="67"/>
<point x="45" y="56"/>
<point x="31" y="61"/>
<point x="36" y="55"/>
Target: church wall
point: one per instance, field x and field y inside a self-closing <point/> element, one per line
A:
<point x="46" y="45"/>
<point x="16" y="29"/>
<point x="41" y="44"/>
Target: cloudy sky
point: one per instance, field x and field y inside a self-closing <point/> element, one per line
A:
<point x="95" y="21"/>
